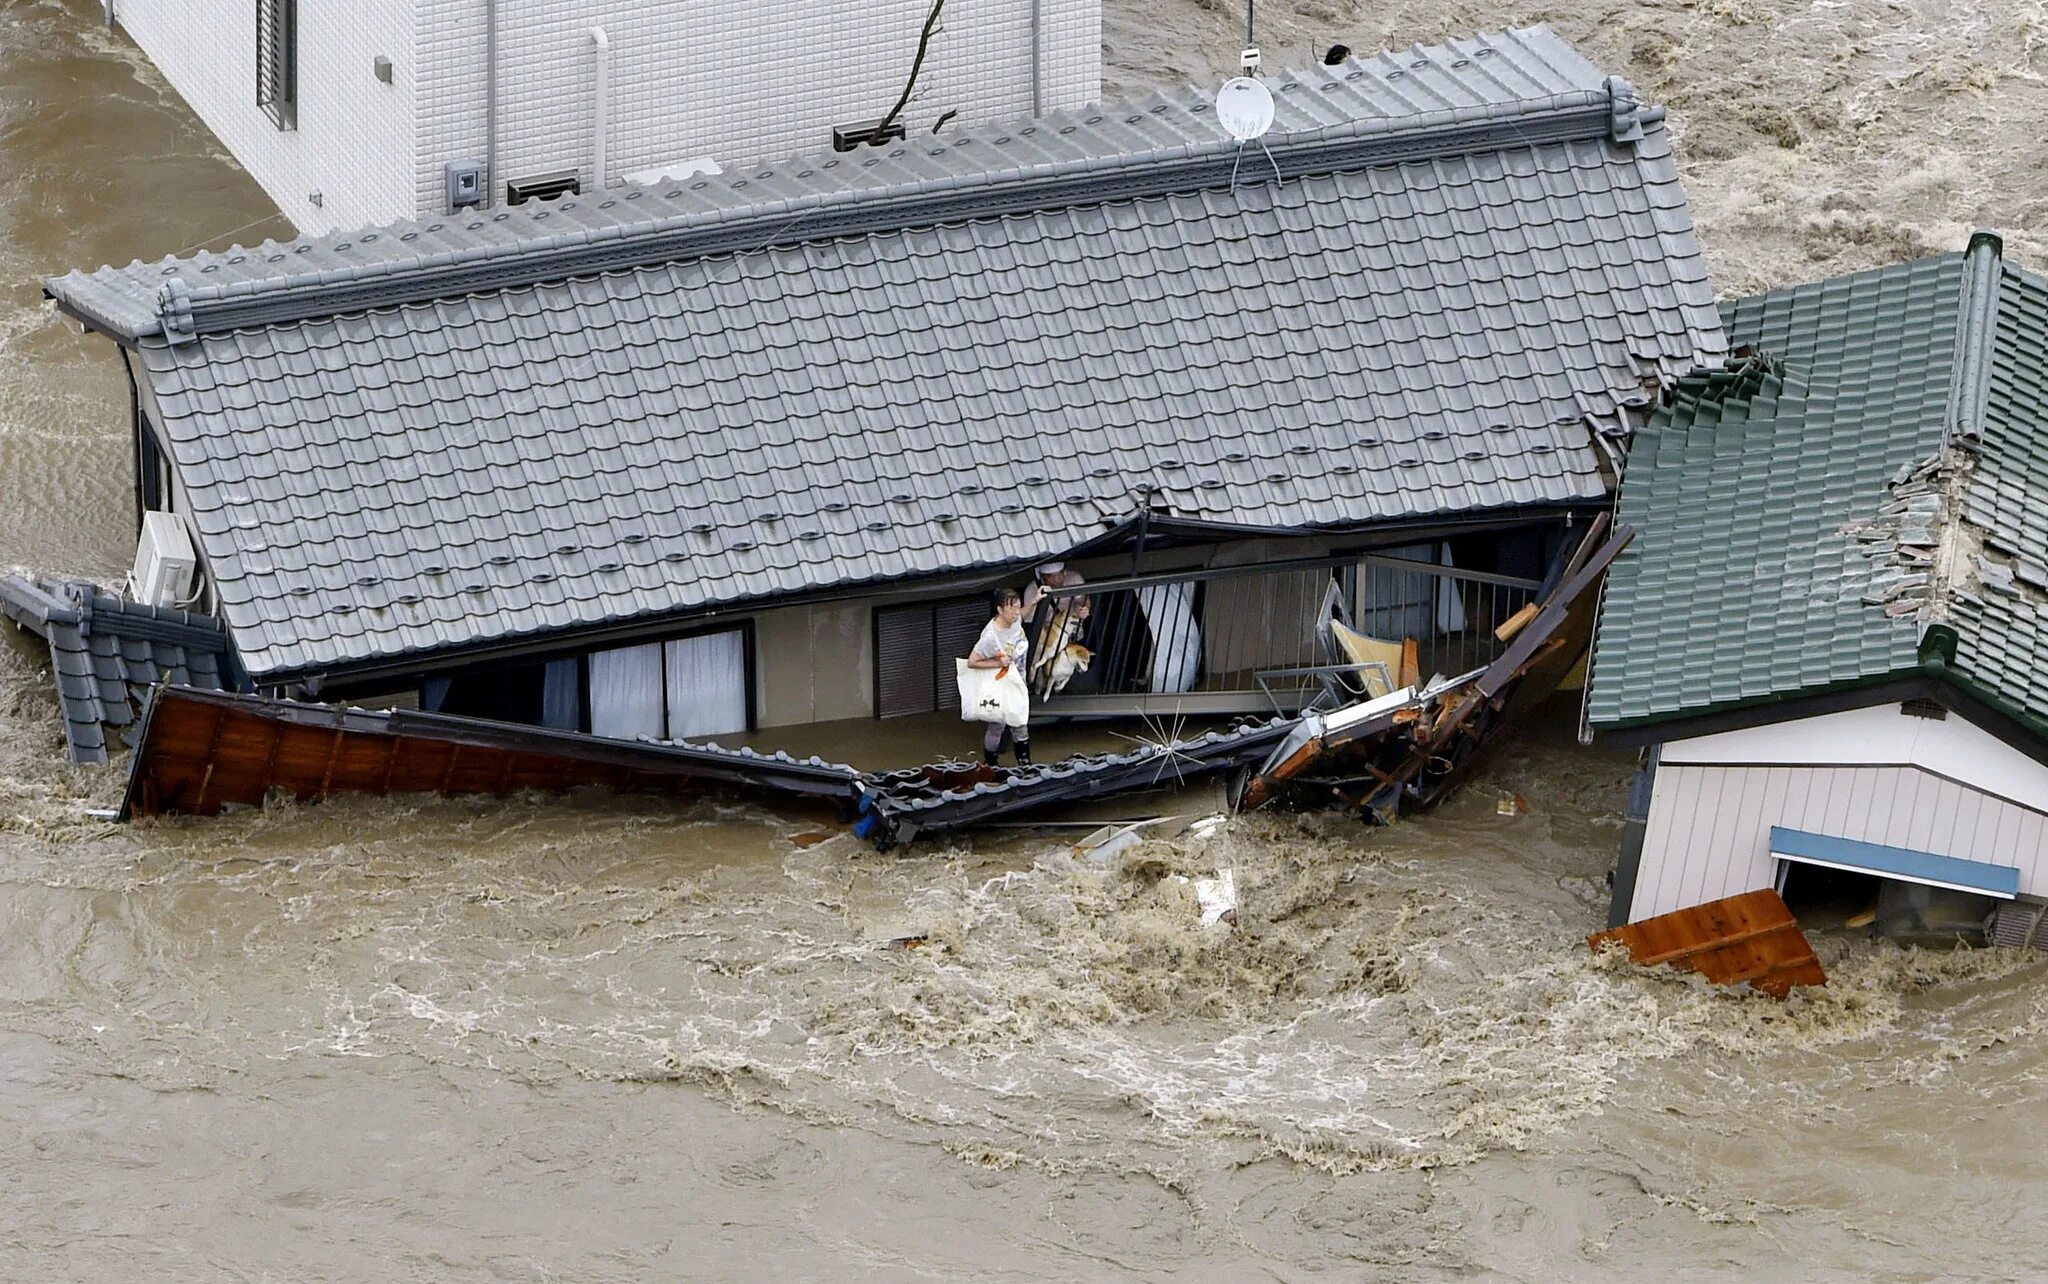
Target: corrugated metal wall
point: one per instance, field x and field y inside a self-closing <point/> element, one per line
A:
<point x="2020" y="923"/>
<point x="1709" y="828"/>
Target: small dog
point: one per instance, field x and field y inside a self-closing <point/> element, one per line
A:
<point x="1072" y="659"/>
<point x="1052" y="664"/>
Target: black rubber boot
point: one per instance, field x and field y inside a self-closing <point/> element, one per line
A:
<point x="1023" y="753"/>
<point x="990" y="758"/>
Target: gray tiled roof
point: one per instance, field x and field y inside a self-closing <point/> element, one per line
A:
<point x="969" y="352"/>
<point x="107" y="652"/>
<point x="1799" y="510"/>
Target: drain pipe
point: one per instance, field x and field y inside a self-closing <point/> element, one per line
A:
<point x="490" y="103"/>
<point x="600" y="111"/>
<point x="1037" y="39"/>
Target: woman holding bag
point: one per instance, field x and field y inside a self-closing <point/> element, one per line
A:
<point x="1004" y="648"/>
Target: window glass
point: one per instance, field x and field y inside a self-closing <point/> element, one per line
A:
<point x="625" y="691"/>
<point x="707" y="685"/>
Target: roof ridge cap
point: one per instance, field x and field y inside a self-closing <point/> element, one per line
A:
<point x="1977" y="322"/>
<point x="912" y="201"/>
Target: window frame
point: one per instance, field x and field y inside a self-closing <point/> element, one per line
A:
<point x="750" y="664"/>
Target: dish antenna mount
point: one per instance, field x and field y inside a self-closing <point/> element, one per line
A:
<point x="1244" y="107"/>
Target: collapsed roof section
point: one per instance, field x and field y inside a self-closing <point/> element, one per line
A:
<point x="106" y="652"/>
<point x="1427" y="291"/>
<point x="1843" y="504"/>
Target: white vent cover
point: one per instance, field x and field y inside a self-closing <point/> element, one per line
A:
<point x="164" y="562"/>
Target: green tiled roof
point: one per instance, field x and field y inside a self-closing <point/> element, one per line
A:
<point x="1863" y="468"/>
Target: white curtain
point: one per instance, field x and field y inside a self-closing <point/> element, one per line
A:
<point x="625" y="691"/>
<point x="707" y="685"/>
<point x="561" y="695"/>
<point x="1176" y="639"/>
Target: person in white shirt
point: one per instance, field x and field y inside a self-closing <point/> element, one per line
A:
<point x="1002" y="645"/>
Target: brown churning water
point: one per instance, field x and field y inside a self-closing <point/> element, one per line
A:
<point x="603" y="1038"/>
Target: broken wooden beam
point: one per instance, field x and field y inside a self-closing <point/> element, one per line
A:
<point x="1513" y="624"/>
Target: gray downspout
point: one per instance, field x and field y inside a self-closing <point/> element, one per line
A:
<point x="1635" y="827"/>
<point x="490" y="102"/>
<point x="146" y="485"/>
<point x="1037" y="40"/>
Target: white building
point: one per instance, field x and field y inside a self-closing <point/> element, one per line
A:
<point x="1832" y="633"/>
<point x="350" y="115"/>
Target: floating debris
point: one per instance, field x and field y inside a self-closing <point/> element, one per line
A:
<point x="1751" y="938"/>
<point x="107" y="652"/>
<point x="1218" y="898"/>
<point x="1409" y="749"/>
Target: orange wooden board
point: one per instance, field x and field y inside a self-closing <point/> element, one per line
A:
<point x="1748" y="938"/>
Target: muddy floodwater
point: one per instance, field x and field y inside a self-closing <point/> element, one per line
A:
<point x="602" y="1039"/>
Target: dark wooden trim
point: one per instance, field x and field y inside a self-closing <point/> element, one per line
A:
<point x="1789" y="709"/>
<point x="333" y="755"/>
<point x="216" y="741"/>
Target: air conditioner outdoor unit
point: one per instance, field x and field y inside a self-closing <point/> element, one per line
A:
<point x="164" y="562"/>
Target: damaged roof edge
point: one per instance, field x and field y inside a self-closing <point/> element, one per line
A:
<point x="187" y="736"/>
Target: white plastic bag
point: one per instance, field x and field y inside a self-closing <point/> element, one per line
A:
<point x="985" y="697"/>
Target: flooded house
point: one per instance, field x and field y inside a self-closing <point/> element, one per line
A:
<point x="749" y="450"/>
<point x="1831" y="633"/>
<point x="380" y="110"/>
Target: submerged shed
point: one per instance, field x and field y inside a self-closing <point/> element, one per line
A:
<point x="1832" y="634"/>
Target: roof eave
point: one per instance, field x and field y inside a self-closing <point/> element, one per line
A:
<point x="399" y="663"/>
<point x="1930" y="680"/>
<point x="125" y="335"/>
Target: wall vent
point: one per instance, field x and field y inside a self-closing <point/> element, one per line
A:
<point x="543" y="187"/>
<point x="1923" y="709"/>
<point x="463" y="183"/>
<point x="846" y="138"/>
<point x="277" y="61"/>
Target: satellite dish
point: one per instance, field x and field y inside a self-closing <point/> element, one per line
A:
<point x="1245" y="108"/>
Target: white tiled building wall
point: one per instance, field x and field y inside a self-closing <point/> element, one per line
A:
<point x="734" y="81"/>
<point x="354" y="144"/>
